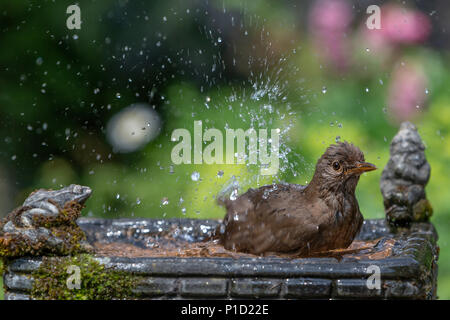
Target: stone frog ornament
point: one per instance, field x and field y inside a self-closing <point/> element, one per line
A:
<point x="46" y="224"/>
<point x="404" y="179"/>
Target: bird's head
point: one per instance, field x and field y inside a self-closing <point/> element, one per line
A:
<point x="340" y="166"/>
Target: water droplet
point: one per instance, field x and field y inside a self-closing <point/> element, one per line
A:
<point x="195" y="176"/>
<point x="233" y="195"/>
<point x="367" y="90"/>
<point x="183" y="211"/>
<point x="165" y="201"/>
<point x="138" y="201"/>
<point x="427" y="91"/>
<point x="220" y="174"/>
<point x="337" y="139"/>
<point x="39" y="61"/>
<point x="118" y="95"/>
<point x="117" y="196"/>
<point x="14" y="157"/>
<point x="324" y="90"/>
<point x="75" y="37"/>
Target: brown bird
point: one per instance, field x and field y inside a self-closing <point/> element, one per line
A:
<point x="291" y="218"/>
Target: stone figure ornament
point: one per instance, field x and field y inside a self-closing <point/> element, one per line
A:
<point x="304" y="220"/>
<point x="404" y="179"/>
<point x="46" y="224"/>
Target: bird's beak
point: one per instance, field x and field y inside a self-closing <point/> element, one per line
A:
<point x="362" y="167"/>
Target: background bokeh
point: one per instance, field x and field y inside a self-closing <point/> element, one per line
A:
<point x="311" y="68"/>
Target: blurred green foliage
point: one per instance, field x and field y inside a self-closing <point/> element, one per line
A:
<point x="265" y="72"/>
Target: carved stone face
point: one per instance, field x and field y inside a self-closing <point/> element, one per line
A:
<point x="72" y="192"/>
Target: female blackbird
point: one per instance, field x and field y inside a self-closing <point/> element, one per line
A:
<point x="290" y="218"/>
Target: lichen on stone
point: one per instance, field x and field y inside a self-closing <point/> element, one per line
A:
<point x="404" y="179"/>
<point x="45" y="224"/>
<point x="97" y="282"/>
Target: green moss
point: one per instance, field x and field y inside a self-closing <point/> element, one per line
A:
<point x="62" y="227"/>
<point x="422" y="210"/>
<point x="97" y="281"/>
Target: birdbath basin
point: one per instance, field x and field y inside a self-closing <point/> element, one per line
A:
<point x="170" y="259"/>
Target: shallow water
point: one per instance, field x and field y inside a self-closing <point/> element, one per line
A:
<point x="170" y="247"/>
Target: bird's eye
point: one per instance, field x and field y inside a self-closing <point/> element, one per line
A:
<point x="336" y="165"/>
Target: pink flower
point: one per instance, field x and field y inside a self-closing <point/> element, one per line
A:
<point x="400" y="26"/>
<point x="330" y="15"/>
<point x="407" y="91"/>
<point x="329" y="22"/>
<point x="404" y="25"/>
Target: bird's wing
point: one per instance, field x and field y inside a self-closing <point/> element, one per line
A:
<point x="265" y="220"/>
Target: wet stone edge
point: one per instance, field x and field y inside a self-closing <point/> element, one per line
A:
<point x="410" y="276"/>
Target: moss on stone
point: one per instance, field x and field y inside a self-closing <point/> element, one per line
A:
<point x="62" y="227"/>
<point x="422" y="211"/>
<point x="97" y="281"/>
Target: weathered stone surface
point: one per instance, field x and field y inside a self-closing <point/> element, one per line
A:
<point x="16" y="296"/>
<point x="45" y="224"/>
<point x="255" y="287"/>
<point x="403" y="289"/>
<point x="136" y="230"/>
<point x="404" y="179"/>
<point x="308" y="288"/>
<point x="262" y="267"/>
<point x="156" y="286"/>
<point x="25" y="265"/>
<point x="356" y="288"/>
<point x="203" y="287"/>
<point x="18" y="282"/>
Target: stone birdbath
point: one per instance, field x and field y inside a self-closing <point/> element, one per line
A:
<point x="51" y="253"/>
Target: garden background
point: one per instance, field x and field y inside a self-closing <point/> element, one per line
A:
<point x="311" y="68"/>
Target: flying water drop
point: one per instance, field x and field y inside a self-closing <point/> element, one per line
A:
<point x="195" y="176"/>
